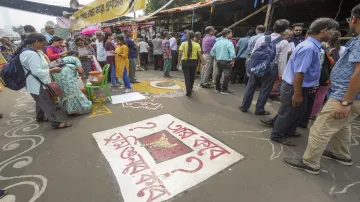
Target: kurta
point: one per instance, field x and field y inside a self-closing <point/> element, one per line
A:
<point x="121" y="60"/>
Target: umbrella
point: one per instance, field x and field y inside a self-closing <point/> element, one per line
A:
<point x="89" y="30"/>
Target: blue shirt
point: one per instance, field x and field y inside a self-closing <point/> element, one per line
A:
<point x="223" y="50"/>
<point x="344" y="69"/>
<point x="183" y="38"/>
<point x="305" y="59"/>
<point x="133" y="53"/>
<point x="242" y="46"/>
<point x="48" y="37"/>
<point x="252" y="42"/>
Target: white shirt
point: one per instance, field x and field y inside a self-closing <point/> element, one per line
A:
<point x="144" y="47"/>
<point x="282" y="50"/>
<point x="173" y="44"/>
<point x="100" y="51"/>
<point x="38" y="66"/>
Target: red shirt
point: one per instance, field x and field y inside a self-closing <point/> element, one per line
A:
<point x="53" y="53"/>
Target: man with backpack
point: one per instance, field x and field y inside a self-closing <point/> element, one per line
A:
<point x="268" y="57"/>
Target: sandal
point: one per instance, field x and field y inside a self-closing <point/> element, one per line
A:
<point x="62" y="126"/>
<point x="44" y="119"/>
<point x="294" y="135"/>
<point x="262" y="113"/>
<point x="284" y="141"/>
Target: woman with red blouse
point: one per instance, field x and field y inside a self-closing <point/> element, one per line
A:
<point x="55" y="50"/>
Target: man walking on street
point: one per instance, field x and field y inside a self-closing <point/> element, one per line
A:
<point x="174" y="52"/>
<point x="301" y="74"/>
<point x="133" y="55"/>
<point x="167" y="54"/>
<point x="268" y="80"/>
<point x="207" y="44"/>
<point x="240" y="69"/>
<point x="343" y="106"/>
<point x="144" y="53"/>
<point x="158" y="52"/>
<point x="224" y="52"/>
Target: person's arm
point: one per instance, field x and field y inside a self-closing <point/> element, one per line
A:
<point x="180" y="53"/>
<point x="33" y="63"/>
<point x="167" y="49"/>
<point x="51" y="54"/>
<point x="231" y="50"/>
<point x="282" y="58"/>
<point x="213" y="51"/>
<point x="124" y="53"/>
<point x="302" y="63"/>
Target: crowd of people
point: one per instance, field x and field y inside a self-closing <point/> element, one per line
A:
<point x="303" y="71"/>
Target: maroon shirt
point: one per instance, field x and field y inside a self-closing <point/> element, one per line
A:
<point x="109" y="47"/>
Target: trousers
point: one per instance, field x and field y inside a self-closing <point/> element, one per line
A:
<point x="319" y="99"/>
<point x="327" y="129"/>
<point x="207" y="69"/>
<point x="238" y="70"/>
<point x="266" y="83"/>
<point x="224" y="69"/>
<point x="288" y="117"/>
<point x="189" y="70"/>
<point x="174" y="61"/>
<point x="144" y="59"/>
<point x="45" y="106"/>
<point x="167" y="66"/>
<point x="158" y="64"/>
<point x="132" y="68"/>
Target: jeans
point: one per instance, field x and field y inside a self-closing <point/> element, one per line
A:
<point x="207" y="69"/>
<point x="289" y="117"/>
<point x="327" y="129"/>
<point x="223" y="67"/>
<point x="167" y="66"/>
<point x="266" y="84"/>
<point x="126" y="79"/>
<point x="133" y="63"/>
<point x="238" y="70"/>
<point x="114" y="79"/>
<point x="189" y="69"/>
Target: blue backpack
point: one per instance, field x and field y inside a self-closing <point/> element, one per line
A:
<point x="13" y="74"/>
<point x="262" y="60"/>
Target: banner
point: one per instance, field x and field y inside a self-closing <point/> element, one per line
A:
<point x="103" y="10"/>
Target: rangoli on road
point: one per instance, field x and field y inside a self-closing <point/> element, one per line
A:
<point x="158" y="158"/>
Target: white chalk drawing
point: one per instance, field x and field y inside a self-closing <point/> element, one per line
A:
<point x="23" y="127"/>
<point x="143" y="105"/>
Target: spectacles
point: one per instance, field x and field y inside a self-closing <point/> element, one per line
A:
<point x="349" y="19"/>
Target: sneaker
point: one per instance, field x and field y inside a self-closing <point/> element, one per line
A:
<point x="330" y="155"/>
<point x="2" y="193"/>
<point x="216" y="90"/>
<point x="226" y="92"/>
<point x="267" y="122"/>
<point x="115" y="85"/>
<point x="299" y="164"/>
<point x="128" y="90"/>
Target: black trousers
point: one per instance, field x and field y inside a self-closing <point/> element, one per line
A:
<point x="238" y="70"/>
<point x="189" y="69"/>
<point x="289" y="117"/>
<point x="144" y="59"/>
<point x="223" y="67"/>
<point x="310" y="103"/>
<point x="158" y="62"/>
<point x="174" y="61"/>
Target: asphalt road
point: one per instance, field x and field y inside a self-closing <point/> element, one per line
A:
<point x="44" y="165"/>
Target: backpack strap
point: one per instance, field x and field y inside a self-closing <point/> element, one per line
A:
<point x="267" y="39"/>
<point x="278" y="40"/>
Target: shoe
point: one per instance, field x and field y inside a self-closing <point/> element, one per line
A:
<point x="2" y="193"/>
<point x="128" y="90"/>
<point x="226" y="92"/>
<point x="206" y="86"/>
<point x="330" y="155"/>
<point x="216" y="90"/>
<point x="242" y="109"/>
<point x="284" y="141"/>
<point x="269" y="122"/>
<point x="115" y="85"/>
<point x="1" y="115"/>
<point x="302" y="126"/>
<point x="135" y="81"/>
<point x="299" y="164"/>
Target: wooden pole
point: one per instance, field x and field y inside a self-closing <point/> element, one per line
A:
<point x="252" y="14"/>
<point x="268" y="15"/>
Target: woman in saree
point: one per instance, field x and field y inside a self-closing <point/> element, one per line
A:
<point x="73" y="101"/>
<point x="85" y="54"/>
<point x="55" y="50"/>
<point x="122" y="62"/>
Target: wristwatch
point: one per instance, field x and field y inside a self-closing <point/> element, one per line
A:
<point x="345" y="103"/>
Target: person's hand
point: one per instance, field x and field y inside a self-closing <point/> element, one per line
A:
<point x="297" y="99"/>
<point x="63" y="53"/>
<point x="340" y="111"/>
<point x="55" y="69"/>
<point x="232" y="63"/>
<point x="89" y="56"/>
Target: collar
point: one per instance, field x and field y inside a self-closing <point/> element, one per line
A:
<point x="261" y="34"/>
<point x="275" y="34"/>
<point x="316" y="42"/>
